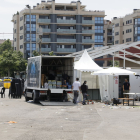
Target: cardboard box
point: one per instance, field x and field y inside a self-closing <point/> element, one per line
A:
<point x="59" y="83"/>
<point x="54" y="82"/>
<point x="49" y="81"/>
<point x="54" y="86"/>
<point x="50" y="86"/>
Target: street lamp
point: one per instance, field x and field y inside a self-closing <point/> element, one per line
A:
<point x="29" y="7"/>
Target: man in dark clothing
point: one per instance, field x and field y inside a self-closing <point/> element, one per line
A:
<point x="84" y="89"/>
<point x="126" y="87"/>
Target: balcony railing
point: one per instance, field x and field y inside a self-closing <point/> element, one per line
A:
<point x="44" y="21"/>
<point x="44" y="40"/>
<point x="66" y="50"/>
<point x="44" y="30"/>
<point x="88" y="31"/>
<point x="45" y="50"/>
<point x="66" y="30"/>
<point x="67" y="40"/>
<point x="87" y="21"/>
<point x="87" y="41"/>
<point x="66" y="21"/>
<point x="109" y="41"/>
<point x="109" y="34"/>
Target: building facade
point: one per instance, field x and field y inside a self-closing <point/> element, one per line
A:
<point x="127" y="29"/>
<point x="66" y="28"/>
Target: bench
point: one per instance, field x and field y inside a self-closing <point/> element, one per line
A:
<point x="128" y="99"/>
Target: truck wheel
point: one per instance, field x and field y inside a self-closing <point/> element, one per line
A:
<point x="26" y="98"/>
<point x="35" y="95"/>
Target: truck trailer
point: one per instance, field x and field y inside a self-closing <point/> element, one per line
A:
<point x="49" y="79"/>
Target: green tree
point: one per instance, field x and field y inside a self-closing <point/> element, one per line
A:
<point x="12" y="60"/>
<point x="51" y="53"/>
<point x="116" y="63"/>
<point x="35" y="53"/>
<point x="5" y="46"/>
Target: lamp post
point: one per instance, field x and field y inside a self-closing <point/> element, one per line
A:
<point x="29" y="7"/>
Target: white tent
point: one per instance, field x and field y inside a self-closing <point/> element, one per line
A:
<point x="107" y="80"/>
<point x="86" y="64"/>
<point x="114" y="71"/>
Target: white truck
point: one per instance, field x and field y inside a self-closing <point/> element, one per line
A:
<point x="55" y="72"/>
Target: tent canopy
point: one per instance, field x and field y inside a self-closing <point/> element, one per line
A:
<point x="86" y="63"/>
<point x="114" y="71"/>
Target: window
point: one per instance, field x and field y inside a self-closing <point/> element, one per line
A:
<point x="15" y="31"/>
<point x="15" y="22"/>
<point x="123" y="23"/>
<point x="129" y="21"/>
<point x="99" y="20"/>
<point x="33" y="27"/>
<point x="117" y="42"/>
<point x="27" y="47"/>
<point x="98" y="29"/>
<point x="21" y="46"/>
<point x="128" y="30"/>
<point x="33" y="47"/>
<point x="27" y="37"/>
<point x="33" y="37"/>
<point x="33" y="17"/>
<point x="15" y="48"/>
<point x="21" y="37"/>
<point x="128" y="39"/>
<point x="117" y="25"/>
<point x="123" y="41"/>
<point x="21" y="18"/>
<point x="137" y="30"/>
<point x="138" y="38"/>
<point x="98" y="45"/>
<point x="116" y="33"/>
<point x="123" y="32"/>
<point x="98" y="38"/>
<point x="21" y="28"/>
<point x="15" y="39"/>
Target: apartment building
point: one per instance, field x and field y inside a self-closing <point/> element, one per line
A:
<point x="66" y="28"/>
<point x="108" y="34"/>
<point x="127" y="29"/>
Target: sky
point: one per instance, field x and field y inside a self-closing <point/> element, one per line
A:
<point x="116" y="8"/>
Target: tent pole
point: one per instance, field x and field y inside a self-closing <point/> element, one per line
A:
<point x="124" y="60"/>
<point x="113" y="60"/>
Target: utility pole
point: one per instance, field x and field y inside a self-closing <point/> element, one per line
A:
<point x="29" y="7"/>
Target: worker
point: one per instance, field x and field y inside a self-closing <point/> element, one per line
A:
<point x="76" y="87"/>
<point x="126" y="88"/>
<point x="84" y="89"/>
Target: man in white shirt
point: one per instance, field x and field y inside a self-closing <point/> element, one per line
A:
<point x="76" y="87"/>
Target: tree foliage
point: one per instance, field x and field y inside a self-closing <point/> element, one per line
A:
<point x="35" y="53"/>
<point x="51" y="53"/>
<point x="116" y="63"/>
<point x="5" y="46"/>
<point x="11" y="60"/>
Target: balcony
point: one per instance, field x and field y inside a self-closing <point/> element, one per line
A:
<point x="44" y="30"/>
<point x="88" y="31"/>
<point x="91" y="22"/>
<point x="66" y="21"/>
<point x="109" y="34"/>
<point x="45" y="40"/>
<point x="66" y="31"/>
<point x="87" y="41"/>
<point x="110" y="41"/>
<point x="69" y="50"/>
<point x="44" y="21"/>
<point x="67" y="40"/>
<point x="45" y="50"/>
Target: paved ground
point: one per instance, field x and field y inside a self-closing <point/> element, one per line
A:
<point x="90" y="122"/>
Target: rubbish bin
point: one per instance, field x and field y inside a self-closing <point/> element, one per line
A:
<point x="7" y="83"/>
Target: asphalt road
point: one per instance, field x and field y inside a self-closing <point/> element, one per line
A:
<point x="89" y="122"/>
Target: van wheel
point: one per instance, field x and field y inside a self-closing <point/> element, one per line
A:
<point x="35" y="95"/>
<point x="26" y="98"/>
